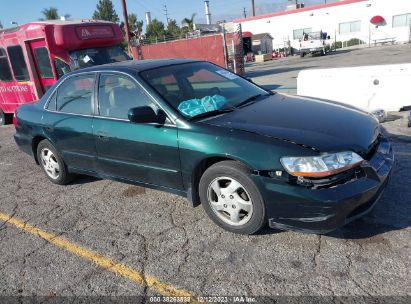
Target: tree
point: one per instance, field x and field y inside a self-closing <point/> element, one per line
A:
<point x="155" y="30"/>
<point x="105" y="11"/>
<point x="135" y="27"/>
<point x="188" y="23"/>
<point x="173" y="29"/>
<point x="50" y="13"/>
<point x="134" y="24"/>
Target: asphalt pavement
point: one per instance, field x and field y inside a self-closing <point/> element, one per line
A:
<point x="281" y="74"/>
<point x="98" y="238"/>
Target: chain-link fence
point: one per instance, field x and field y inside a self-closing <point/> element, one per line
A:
<point x="233" y="47"/>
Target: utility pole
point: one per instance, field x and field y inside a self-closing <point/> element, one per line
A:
<point x="166" y="13"/>
<point x="252" y="7"/>
<point x="126" y="27"/>
<point x="244" y="13"/>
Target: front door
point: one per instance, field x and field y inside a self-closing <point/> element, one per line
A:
<point x="144" y="153"/>
<point x="42" y="64"/>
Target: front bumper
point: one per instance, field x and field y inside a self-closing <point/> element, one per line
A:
<point x="295" y="207"/>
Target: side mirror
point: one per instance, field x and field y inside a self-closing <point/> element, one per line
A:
<point x="146" y="114"/>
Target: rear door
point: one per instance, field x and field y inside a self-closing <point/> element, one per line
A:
<point x="69" y="121"/>
<point x="42" y="64"/>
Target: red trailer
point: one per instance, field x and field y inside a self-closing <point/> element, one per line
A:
<point x="34" y="55"/>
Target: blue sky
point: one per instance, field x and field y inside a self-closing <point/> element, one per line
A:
<point x="23" y="11"/>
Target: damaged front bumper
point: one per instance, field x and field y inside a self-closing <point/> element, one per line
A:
<point x="321" y="210"/>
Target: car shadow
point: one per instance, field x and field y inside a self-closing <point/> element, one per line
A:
<point x="84" y="179"/>
<point x="339" y="51"/>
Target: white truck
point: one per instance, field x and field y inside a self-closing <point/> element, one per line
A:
<point x="313" y="43"/>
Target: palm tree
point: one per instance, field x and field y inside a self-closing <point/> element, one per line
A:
<point x="50" y="13"/>
<point x="189" y="22"/>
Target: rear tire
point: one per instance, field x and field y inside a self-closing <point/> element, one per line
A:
<point x="52" y="164"/>
<point x="2" y="118"/>
<point x="231" y="199"/>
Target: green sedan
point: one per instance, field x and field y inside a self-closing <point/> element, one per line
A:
<point x="250" y="157"/>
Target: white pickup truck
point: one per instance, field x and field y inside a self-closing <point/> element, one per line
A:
<point x="313" y="43"/>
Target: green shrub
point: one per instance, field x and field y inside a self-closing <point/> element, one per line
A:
<point x="336" y="45"/>
<point x="354" y="41"/>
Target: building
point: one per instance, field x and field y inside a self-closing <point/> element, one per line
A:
<point x="262" y="43"/>
<point x="342" y="20"/>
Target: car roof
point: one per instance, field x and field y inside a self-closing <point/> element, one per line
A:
<point x="136" y="65"/>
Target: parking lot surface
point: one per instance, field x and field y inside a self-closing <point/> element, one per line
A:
<point x="281" y="74"/>
<point x="104" y="238"/>
<point x="159" y="235"/>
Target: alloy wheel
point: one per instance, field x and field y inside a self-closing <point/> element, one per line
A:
<point x="230" y="201"/>
<point x="50" y="163"/>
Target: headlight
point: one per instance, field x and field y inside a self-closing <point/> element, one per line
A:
<point x="321" y="166"/>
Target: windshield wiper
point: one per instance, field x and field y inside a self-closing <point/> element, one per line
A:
<point x="248" y="101"/>
<point x="211" y="113"/>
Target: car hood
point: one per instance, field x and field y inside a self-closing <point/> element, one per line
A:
<point x="321" y="125"/>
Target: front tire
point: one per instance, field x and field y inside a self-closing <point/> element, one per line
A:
<point x="52" y="164"/>
<point x="231" y="199"/>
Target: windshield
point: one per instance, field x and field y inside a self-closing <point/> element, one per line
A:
<point x="197" y="88"/>
<point x="96" y="56"/>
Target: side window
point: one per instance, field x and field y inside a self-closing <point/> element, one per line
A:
<point x="5" y="73"/>
<point x="52" y="102"/>
<point x="75" y="95"/>
<point x="43" y="62"/>
<point x="117" y="94"/>
<point x="61" y="67"/>
<point x="18" y="63"/>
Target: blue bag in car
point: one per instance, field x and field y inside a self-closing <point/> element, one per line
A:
<point x="193" y="107"/>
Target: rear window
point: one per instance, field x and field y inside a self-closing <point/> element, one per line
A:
<point x="52" y="102"/>
<point x="75" y="95"/>
<point x="18" y="63"/>
<point x="5" y="73"/>
<point x="43" y="62"/>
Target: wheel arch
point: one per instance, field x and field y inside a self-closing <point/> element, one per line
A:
<point x="34" y="144"/>
<point x="193" y="193"/>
